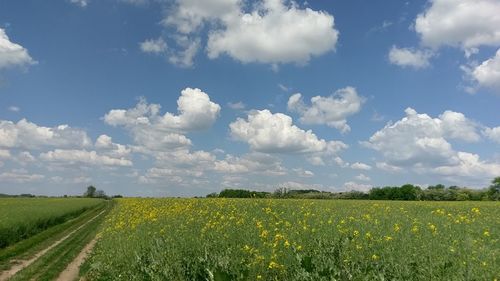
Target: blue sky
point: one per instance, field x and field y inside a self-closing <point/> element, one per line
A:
<point x="185" y="97"/>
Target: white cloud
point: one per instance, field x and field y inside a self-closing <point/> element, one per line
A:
<point x="275" y="133"/>
<point x="332" y="110"/>
<point x="363" y="177"/>
<point x="25" y="134"/>
<point x="185" y="57"/>
<point x="407" y="57"/>
<point x="236" y="105"/>
<point x="487" y="74"/>
<point x="153" y="131"/>
<point x="14" y="108"/>
<point x="361" y="166"/>
<point x="73" y="156"/>
<point x="350" y="186"/>
<point x="303" y="173"/>
<point x="254" y="163"/>
<point x="418" y="138"/>
<point x="387" y="167"/>
<point x="469" y="166"/>
<point x="20" y="177"/>
<point x="493" y="134"/>
<point x="110" y="148"/>
<point x="12" y="54"/>
<point x="273" y="31"/>
<point x="420" y="143"/>
<point x="460" y="23"/>
<point x="155" y="46"/>
<point x="81" y="3"/>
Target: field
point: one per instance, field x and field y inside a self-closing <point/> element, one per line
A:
<point x="23" y="217"/>
<point x="238" y="239"/>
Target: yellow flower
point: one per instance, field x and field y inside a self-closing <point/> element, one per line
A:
<point x="387" y="238"/>
<point x="375" y="257"/>
<point x="397" y="227"/>
<point x="486" y="233"/>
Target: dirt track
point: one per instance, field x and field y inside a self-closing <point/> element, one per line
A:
<point x="5" y="275"/>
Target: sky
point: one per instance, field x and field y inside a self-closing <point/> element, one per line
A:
<point x="187" y="97"/>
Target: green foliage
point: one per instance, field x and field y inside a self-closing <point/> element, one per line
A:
<point x="256" y="239"/>
<point x="23" y="217"/>
<point x="241" y="193"/>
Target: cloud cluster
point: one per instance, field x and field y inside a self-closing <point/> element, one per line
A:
<point x="155" y="132"/>
<point x="464" y="23"/>
<point x="332" y="110"/>
<point x="271" y="132"/>
<point x="271" y="31"/>
<point x="421" y="143"/>
<point x="408" y="57"/>
<point x="28" y="135"/>
<point x="12" y="54"/>
<point x="487" y="74"/>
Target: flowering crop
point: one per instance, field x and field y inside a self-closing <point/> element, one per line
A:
<point x="272" y="239"/>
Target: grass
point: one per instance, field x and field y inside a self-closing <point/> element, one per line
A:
<point x="24" y="217"/>
<point x="49" y="266"/>
<point x="30" y="246"/>
<point x="252" y="239"/>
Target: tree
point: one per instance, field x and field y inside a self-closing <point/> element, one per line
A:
<point x="90" y="191"/>
<point x="494" y="190"/>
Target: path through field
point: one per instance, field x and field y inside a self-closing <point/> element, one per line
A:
<point x="72" y="271"/>
<point x="25" y="263"/>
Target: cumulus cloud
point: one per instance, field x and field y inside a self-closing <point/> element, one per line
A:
<point x="73" y="156"/>
<point x="418" y="138"/>
<point x="106" y="144"/>
<point x="493" y="134"/>
<point x="463" y="23"/>
<point x="351" y="185"/>
<point x="332" y="110"/>
<point x="25" y="134"/>
<point x="12" y="54"/>
<point x="272" y="31"/>
<point x="251" y="163"/>
<point x="154" y="131"/>
<point x="155" y="46"/>
<point x="303" y="173"/>
<point x="360" y="166"/>
<point x="20" y="177"/>
<point x="363" y="177"/>
<point x="407" y="57"/>
<point x="275" y="133"/>
<point x="487" y="74"/>
<point x="421" y="143"/>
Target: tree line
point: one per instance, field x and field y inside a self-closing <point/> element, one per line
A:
<point x="407" y="192"/>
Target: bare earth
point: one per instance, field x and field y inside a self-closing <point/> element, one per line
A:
<point x="72" y="271"/>
<point x="25" y="263"/>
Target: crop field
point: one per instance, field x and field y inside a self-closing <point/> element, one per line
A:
<point x="252" y="239"/>
<point x="23" y="217"/>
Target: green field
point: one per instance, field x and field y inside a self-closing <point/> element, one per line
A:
<point x="23" y="217"/>
<point x="252" y="239"/>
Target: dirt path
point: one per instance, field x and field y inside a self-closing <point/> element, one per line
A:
<point x="72" y="271"/>
<point x="25" y="263"/>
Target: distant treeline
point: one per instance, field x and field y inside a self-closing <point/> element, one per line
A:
<point x="405" y="192"/>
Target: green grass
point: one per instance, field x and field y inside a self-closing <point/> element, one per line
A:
<point x="49" y="266"/>
<point x="252" y="239"/>
<point x="24" y="217"/>
<point x="24" y="249"/>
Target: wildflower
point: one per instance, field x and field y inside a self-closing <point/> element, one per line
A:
<point x="355" y="233"/>
<point x="387" y="238"/>
<point x="375" y="257"/>
<point x="486" y="233"/>
<point x="397" y="227"/>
